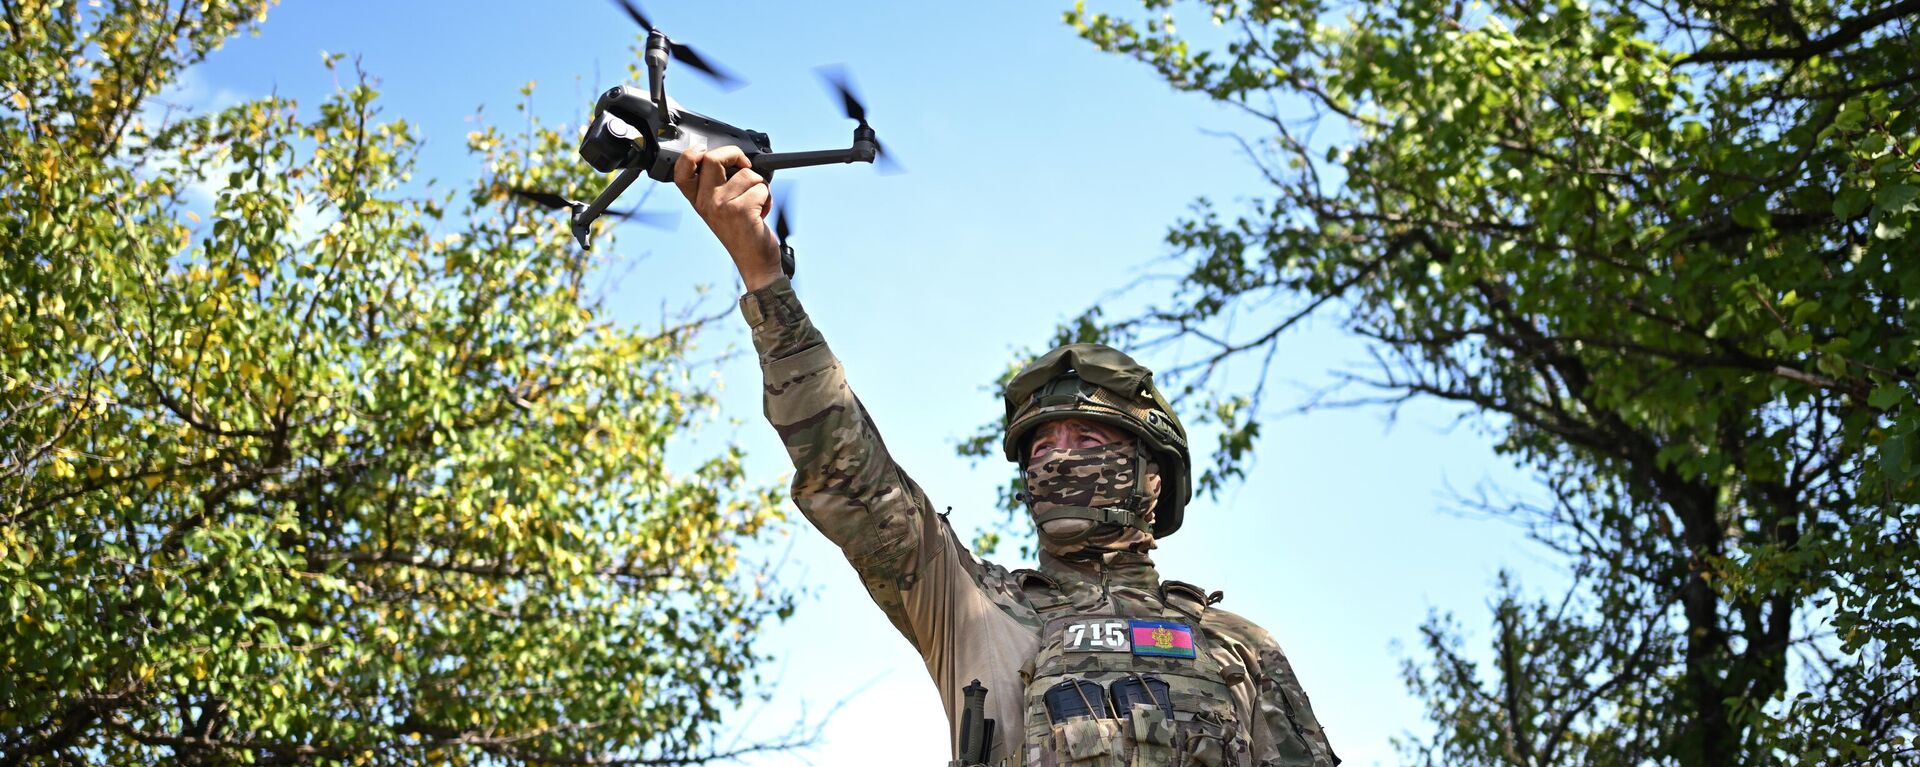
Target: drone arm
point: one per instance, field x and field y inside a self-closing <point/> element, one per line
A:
<point x="772" y="161"/>
<point x="584" y="218"/>
<point x="657" y="72"/>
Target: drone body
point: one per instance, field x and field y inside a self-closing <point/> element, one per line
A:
<point x="615" y="138"/>
<point x="642" y="131"/>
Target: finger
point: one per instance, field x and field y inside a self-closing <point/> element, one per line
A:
<point x="755" y="197"/>
<point x="742" y="180"/>
<point x="731" y="162"/>
<point x="686" y="170"/>
<point x="764" y="198"/>
<point x="749" y="195"/>
<point x="731" y="156"/>
<point x="712" y="175"/>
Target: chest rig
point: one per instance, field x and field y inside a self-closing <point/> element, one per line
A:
<point x="1129" y="677"/>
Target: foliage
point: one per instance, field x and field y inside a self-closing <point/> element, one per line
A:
<point x="302" y="463"/>
<point x="1665" y="248"/>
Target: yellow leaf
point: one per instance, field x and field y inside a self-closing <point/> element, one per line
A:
<point x="195" y="217"/>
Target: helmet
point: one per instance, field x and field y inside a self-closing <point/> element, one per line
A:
<point x="1100" y="383"/>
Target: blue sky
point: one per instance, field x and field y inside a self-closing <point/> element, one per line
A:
<point x="1043" y="174"/>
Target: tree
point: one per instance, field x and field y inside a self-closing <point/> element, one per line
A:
<point x="1665" y="249"/>
<point x="328" y="468"/>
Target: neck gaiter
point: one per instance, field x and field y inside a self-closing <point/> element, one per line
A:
<point x="1093" y="477"/>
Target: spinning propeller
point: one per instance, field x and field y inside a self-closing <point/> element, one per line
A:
<point x="782" y="227"/>
<point x="681" y="52"/>
<point x="640" y="131"/>
<point x="666" y="220"/>
<point x="836" y="78"/>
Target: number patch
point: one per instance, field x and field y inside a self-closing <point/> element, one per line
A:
<point x="1098" y="635"/>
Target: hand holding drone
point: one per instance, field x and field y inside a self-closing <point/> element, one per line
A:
<point x="637" y="131"/>
<point x="734" y="202"/>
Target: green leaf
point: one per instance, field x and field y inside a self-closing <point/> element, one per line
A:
<point x="1850" y="202"/>
<point x="1752" y="213"/>
<point x="1894" y="198"/>
<point x="1621" y="100"/>
<point x="1893" y="458"/>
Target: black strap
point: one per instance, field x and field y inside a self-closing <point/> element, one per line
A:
<point x="1126" y="514"/>
<point x="1109" y="516"/>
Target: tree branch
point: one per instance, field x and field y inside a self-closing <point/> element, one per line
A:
<point x="1848" y="32"/>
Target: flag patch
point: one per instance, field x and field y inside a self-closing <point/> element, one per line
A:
<point x="1162" y="638"/>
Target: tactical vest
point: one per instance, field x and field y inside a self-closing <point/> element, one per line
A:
<point x="1129" y="679"/>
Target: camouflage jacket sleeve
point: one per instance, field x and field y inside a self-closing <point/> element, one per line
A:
<point x="1283" y="729"/>
<point x="966" y="617"/>
<point x="849" y="487"/>
<point x="844" y="481"/>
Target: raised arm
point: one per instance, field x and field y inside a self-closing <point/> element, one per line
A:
<point x="845" y="482"/>
<point x="843" y="478"/>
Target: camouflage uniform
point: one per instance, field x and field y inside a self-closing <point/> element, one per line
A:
<point x="1234" y="696"/>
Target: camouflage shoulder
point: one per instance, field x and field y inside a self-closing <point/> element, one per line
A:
<point x="1230" y="624"/>
<point x="1003" y="587"/>
<point x="1295" y="732"/>
<point x="1040" y="591"/>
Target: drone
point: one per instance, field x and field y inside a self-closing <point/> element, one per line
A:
<point x="643" y="131"/>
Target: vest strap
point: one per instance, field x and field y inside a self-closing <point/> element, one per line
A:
<point x="1184" y="597"/>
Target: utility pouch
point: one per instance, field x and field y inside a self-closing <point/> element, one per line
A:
<point x="1076" y="697"/>
<point x="1212" y="741"/>
<point x="1144" y="691"/>
<point x="1088" y="742"/>
<point x="1152" y="734"/>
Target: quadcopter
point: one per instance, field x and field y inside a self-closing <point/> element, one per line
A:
<point x="642" y="131"/>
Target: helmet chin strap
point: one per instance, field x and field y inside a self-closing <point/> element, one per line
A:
<point x="1131" y="512"/>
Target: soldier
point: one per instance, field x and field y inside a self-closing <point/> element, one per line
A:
<point x="1092" y="659"/>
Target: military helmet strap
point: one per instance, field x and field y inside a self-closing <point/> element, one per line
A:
<point x="1128" y="513"/>
<point x="1109" y="516"/>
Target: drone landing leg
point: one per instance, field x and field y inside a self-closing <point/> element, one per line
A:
<point x="583" y="220"/>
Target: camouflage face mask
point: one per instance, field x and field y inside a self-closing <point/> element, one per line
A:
<point x="1102" y="477"/>
<point x="1091" y="477"/>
